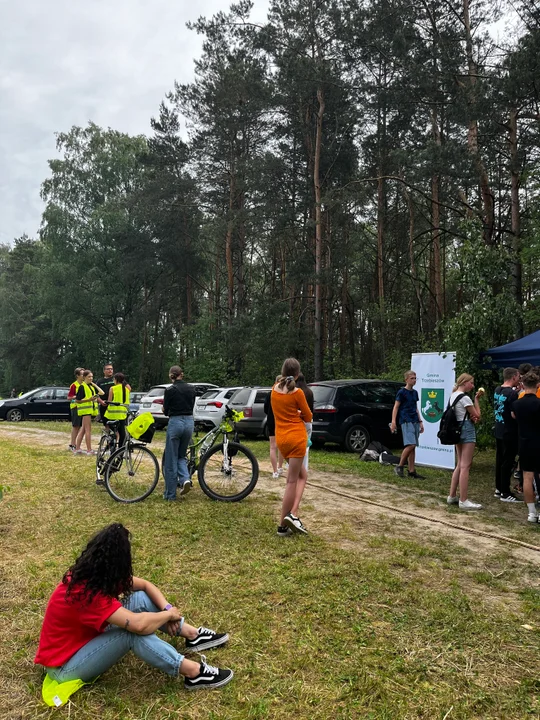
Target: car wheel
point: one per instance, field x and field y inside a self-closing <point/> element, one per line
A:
<point x="15" y="415"/>
<point x="357" y="439"/>
<point x="266" y="433"/>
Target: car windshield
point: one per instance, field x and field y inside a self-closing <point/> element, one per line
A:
<point x="322" y="394"/>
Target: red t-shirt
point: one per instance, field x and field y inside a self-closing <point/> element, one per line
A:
<point x="72" y="391"/>
<point x="67" y="626"/>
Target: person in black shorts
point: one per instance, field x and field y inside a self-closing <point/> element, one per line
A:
<point x="526" y="411"/>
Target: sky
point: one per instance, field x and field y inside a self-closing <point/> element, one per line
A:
<point x="66" y="62"/>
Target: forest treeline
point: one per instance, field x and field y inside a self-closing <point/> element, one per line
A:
<point x="359" y="180"/>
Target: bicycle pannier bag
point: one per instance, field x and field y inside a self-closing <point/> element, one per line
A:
<point x="142" y="428"/>
<point x="450" y="427"/>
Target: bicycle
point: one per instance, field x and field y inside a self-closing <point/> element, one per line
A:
<point x="227" y="471"/>
<point x="132" y="470"/>
<point x="107" y="445"/>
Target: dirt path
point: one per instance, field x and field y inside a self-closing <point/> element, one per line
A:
<point x="334" y="515"/>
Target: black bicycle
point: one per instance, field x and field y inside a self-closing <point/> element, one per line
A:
<point x="132" y="470"/>
<point x="227" y="471"/>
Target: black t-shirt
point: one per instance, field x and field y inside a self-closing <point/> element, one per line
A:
<point x="505" y="425"/>
<point x="527" y="412"/>
<point x="105" y="384"/>
<point x="179" y="399"/>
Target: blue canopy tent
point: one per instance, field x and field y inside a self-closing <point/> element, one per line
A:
<point x="526" y="349"/>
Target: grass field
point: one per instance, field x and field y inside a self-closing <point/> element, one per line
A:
<point x="410" y="629"/>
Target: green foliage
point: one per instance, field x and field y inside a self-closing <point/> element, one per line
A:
<point x="210" y="253"/>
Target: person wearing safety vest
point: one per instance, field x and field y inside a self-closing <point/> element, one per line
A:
<point x="86" y="397"/>
<point x="117" y="408"/>
<point x="76" y="419"/>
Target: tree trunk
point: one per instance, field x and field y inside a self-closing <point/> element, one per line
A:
<point x="486" y="195"/>
<point x="318" y="364"/>
<point x="229" y="250"/>
<point x="517" y="288"/>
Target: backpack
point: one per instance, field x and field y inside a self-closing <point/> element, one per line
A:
<point x="450" y="427"/>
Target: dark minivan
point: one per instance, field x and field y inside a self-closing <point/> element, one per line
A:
<point x="353" y="412"/>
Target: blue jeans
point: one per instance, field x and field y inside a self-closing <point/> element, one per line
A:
<point x="179" y="432"/>
<point x="106" y="649"/>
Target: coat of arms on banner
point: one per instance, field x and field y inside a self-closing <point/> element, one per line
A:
<point x="432" y="404"/>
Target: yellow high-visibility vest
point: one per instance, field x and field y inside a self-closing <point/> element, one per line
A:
<point x="87" y="406"/>
<point x="118" y="412"/>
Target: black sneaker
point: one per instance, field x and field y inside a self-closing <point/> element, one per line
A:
<point x="209" y="677"/>
<point x="398" y="470"/>
<point x="185" y="487"/>
<point x="206" y="639"/>
<point x="497" y="493"/>
<point x="295" y="524"/>
<point x="416" y="476"/>
<point x="283" y="531"/>
<point x="509" y="498"/>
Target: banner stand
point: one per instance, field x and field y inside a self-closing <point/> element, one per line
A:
<point x="435" y="378"/>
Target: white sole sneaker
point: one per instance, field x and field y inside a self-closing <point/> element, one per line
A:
<point x="532" y="518"/>
<point x="295" y="524"/>
<point x="186" y="487"/>
<point x="452" y="500"/>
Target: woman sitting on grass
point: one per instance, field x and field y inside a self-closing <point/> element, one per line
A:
<point x="87" y="628"/>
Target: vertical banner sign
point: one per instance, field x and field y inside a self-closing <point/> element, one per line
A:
<point x="435" y="377"/>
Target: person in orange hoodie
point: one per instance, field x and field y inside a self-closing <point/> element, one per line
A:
<point x="291" y="411"/>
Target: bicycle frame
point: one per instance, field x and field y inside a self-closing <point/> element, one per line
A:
<point x="196" y="450"/>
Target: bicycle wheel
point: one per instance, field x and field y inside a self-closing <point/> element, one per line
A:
<point x="229" y="477"/>
<point x="106" y="447"/>
<point x="132" y="473"/>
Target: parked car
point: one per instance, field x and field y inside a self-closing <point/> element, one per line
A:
<point x="250" y="401"/>
<point x="210" y="407"/>
<point x="353" y="412"/>
<point x="43" y="403"/>
<point x="153" y="401"/>
<point x="135" y="399"/>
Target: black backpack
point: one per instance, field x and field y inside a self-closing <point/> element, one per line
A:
<point x="450" y="427"/>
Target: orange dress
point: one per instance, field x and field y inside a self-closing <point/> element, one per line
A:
<point x="291" y="435"/>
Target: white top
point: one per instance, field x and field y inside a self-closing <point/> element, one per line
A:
<point x="465" y="401"/>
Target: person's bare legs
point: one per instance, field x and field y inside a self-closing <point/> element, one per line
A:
<point x="86" y="432"/>
<point x="405" y="455"/>
<point x="300" y="487"/>
<point x="455" y="475"/>
<point x="528" y="487"/>
<point x="74" y="432"/>
<point x="411" y="458"/>
<point x="273" y="453"/>
<point x="460" y="476"/>
<point x="295" y="467"/>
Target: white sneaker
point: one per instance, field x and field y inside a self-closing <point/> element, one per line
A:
<point x="532" y="517"/>
<point x="468" y="505"/>
<point x="452" y="500"/>
<point x="275" y="475"/>
<point x="280" y="472"/>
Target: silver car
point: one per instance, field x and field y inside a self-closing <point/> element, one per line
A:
<point x="153" y="401"/>
<point x="250" y="401"/>
<point x="210" y="407"/>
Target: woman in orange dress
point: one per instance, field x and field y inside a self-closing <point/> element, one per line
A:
<point x="291" y="411"/>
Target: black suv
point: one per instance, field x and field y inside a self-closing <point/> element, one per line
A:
<point x="353" y="412"/>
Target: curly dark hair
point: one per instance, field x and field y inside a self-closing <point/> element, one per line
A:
<point x="104" y="566"/>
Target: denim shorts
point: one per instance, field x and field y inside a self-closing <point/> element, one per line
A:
<point x="468" y="432"/>
<point x="410" y="432"/>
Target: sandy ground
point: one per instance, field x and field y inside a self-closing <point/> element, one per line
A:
<point x="355" y="517"/>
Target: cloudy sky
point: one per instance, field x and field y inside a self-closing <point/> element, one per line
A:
<point x="65" y="62"/>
